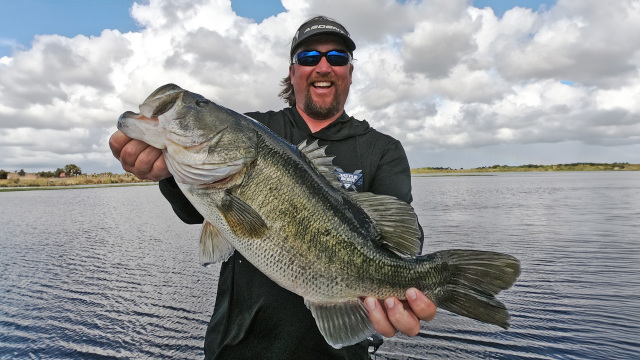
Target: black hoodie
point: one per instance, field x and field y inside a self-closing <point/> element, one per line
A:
<point x="254" y="318"/>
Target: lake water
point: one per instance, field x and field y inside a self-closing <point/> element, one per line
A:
<point x="111" y="273"/>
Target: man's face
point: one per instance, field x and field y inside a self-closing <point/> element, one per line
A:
<point x="321" y="90"/>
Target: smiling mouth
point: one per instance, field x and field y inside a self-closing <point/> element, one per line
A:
<point x="322" y="84"/>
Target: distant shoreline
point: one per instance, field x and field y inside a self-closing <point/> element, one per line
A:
<point x="531" y="168"/>
<point x="30" y="183"/>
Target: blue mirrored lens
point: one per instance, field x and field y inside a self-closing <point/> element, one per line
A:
<point x="312" y="58"/>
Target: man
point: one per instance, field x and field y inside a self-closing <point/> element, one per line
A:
<point x="253" y="316"/>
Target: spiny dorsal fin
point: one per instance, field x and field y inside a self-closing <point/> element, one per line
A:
<point x="342" y="324"/>
<point x="213" y="247"/>
<point x="242" y="219"/>
<point x="323" y="163"/>
<point x="396" y="220"/>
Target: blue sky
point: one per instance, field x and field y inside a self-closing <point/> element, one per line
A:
<point x="500" y="6"/>
<point x="20" y="22"/>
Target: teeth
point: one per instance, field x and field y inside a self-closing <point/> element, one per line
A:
<point x="322" y="84"/>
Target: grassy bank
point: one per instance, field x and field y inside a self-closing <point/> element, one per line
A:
<point x="101" y="179"/>
<point x="524" y="168"/>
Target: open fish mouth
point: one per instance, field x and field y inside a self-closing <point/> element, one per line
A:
<point x="141" y="127"/>
<point x="158" y="103"/>
<point x="199" y="148"/>
<point x="147" y="124"/>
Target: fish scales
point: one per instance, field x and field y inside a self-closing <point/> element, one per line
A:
<point x="283" y="209"/>
<point x="301" y="196"/>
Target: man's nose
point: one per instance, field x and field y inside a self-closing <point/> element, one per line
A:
<point x="323" y="65"/>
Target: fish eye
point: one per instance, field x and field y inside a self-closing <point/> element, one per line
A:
<point x="202" y="102"/>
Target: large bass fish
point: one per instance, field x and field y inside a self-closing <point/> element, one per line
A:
<point x="283" y="208"/>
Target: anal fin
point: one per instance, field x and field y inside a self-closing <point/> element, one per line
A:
<point x="213" y="247"/>
<point x="342" y="324"/>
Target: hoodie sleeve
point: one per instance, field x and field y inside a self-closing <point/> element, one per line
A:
<point x="181" y="206"/>
<point x="393" y="174"/>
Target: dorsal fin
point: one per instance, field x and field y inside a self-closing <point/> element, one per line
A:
<point x="395" y="219"/>
<point x="319" y="160"/>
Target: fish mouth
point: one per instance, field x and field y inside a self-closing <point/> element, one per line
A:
<point x="145" y="125"/>
<point x="193" y="140"/>
<point x="158" y="103"/>
<point x="140" y="127"/>
<point x="128" y="116"/>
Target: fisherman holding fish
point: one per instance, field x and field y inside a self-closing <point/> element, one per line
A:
<point x="255" y="318"/>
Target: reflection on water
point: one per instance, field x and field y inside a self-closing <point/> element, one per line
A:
<point x="112" y="273"/>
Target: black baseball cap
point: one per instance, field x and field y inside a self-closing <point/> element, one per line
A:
<point x="321" y="25"/>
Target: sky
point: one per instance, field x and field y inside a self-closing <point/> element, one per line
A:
<point x="461" y="83"/>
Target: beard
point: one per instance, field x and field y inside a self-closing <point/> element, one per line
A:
<point x="319" y="112"/>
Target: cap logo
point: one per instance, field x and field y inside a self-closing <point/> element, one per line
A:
<point x="328" y="27"/>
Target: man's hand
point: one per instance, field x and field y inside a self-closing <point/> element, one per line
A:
<point x="394" y="315"/>
<point x="138" y="158"/>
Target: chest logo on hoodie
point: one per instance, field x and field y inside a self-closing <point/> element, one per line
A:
<point x="349" y="180"/>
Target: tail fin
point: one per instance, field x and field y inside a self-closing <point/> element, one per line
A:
<point x="474" y="277"/>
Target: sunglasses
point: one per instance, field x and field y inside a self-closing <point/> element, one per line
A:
<point x="313" y="57"/>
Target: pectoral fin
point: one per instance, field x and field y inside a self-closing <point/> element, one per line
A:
<point x="342" y="324"/>
<point x="243" y="220"/>
<point x="213" y="247"/>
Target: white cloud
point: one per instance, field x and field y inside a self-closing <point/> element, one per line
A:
<point x="440" y="75"/>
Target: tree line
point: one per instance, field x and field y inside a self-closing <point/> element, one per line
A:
<point x="585" y="166"/>
<point x="68" y="170"/>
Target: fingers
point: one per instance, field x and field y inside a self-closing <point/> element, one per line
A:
<point x="379" y="318"/>
<point x="391" y="317"/>
<point x="117" y="141"/>
<point x="421" y="306"/>
<point x="394" y="315"/>
<point x="150" y="164"/>
<point x="159" y="170"/>
<point x="403" y="319"/>
<point x="138" y="158"/>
